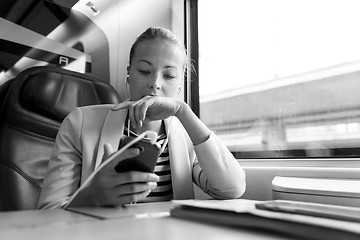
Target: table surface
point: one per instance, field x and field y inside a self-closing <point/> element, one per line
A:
<point x="140" y="221"/>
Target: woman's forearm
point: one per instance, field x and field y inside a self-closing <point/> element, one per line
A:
<point x="196" y="129"/>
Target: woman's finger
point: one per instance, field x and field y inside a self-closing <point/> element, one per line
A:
<point x="108" y="150"/>
<point x="129" y="198"/>
<point x="134" y="188"/>
<point x="137" y="114"/>
<point x="122" y="105"/>
<point x="143" y="110"/>
<point x="136" y="176"/>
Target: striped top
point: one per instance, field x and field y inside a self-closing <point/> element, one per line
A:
<point x="163" y="191"/>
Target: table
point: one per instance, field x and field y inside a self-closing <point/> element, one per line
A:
<point x="141" y="221"/>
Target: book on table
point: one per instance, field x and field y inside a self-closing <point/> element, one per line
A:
<point x="309" y="220"/>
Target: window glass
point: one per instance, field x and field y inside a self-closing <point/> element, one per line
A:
<point x="281" y="78"/>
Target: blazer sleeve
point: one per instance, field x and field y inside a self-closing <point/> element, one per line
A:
<point x="216" y="171"/>
<point x="64" y="169"/>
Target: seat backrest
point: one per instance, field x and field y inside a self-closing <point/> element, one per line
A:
<point x="35" y="103"/>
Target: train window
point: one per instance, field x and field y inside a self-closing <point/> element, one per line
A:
<point x="280" y="78"/>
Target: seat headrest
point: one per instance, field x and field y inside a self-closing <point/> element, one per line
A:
<point x="55" y="94"/>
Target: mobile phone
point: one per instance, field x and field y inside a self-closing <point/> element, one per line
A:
<point x="145" y="161"/>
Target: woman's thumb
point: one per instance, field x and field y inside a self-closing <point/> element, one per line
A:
<point x="108" y="150"/>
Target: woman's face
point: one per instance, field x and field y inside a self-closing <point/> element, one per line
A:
<point x="157" y="69"/>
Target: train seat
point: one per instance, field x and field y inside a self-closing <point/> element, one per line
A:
<point x="31" y="112"/>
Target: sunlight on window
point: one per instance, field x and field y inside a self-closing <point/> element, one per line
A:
<point x="324" y="133"/>
<point x="280" y="75"/>
<point x="246" y="42"/>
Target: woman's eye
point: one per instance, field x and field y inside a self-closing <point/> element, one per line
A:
<point x="169" y="76"/>
<point x="144" y="72"/>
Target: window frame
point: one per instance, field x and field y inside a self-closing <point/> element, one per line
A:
<point x="191" y="42"/>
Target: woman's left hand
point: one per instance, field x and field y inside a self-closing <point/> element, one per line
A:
<point x="151" y="108"/>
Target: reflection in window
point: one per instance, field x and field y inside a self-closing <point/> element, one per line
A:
<point x="280" y="78"/>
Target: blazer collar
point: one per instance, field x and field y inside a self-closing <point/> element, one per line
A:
<point x="111" y="132"/>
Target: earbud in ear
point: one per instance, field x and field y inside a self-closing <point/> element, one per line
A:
<point x="127" y="86"/>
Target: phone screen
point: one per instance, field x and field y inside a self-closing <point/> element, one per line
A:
<point x="144" y="162"/>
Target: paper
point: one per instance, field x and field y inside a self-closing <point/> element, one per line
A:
<point x="138" y="210"/>
<point x="234" y="205"/>
<point x="243" y="213"/>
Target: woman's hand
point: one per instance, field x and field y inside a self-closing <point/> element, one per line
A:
<point x="151" y="108"/>
<point x="111" y="188"/>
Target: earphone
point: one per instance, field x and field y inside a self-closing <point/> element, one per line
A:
<point x="126" y="86"/>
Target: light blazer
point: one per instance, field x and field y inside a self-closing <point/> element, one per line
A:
<point x="79" y="148"/>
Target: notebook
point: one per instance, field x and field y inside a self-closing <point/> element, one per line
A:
<point x="312" y="209"/>
<point x="250" y="214"/>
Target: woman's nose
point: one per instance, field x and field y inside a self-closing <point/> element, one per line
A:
<point x="155" y="84"/>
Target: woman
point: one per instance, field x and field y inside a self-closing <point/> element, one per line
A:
<point x="191" y="152"/>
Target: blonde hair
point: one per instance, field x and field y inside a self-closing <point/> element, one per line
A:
<point x="157" y="33"/>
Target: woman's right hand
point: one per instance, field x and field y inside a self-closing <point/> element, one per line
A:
<point x="111" y="188"/>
